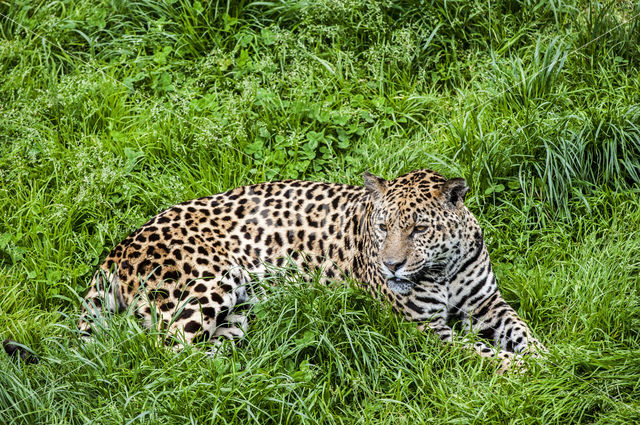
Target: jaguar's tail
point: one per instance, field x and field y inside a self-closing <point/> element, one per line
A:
<point x="16" y="350"/>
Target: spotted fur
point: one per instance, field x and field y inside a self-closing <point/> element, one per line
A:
<point x="411" y="241"/>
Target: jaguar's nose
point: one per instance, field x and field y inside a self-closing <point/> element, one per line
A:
<point x="394" y="265"/>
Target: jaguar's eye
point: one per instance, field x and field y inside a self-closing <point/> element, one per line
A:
<point x="383" y="227"/>
<point x="419" y="229"/>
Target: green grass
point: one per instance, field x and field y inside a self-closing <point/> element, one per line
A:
<point x="111" y="111"/>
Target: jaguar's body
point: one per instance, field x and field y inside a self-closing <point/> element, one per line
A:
<point x="410" y="241"/>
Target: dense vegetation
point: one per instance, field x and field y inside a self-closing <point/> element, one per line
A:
<point x="112" y="110"/>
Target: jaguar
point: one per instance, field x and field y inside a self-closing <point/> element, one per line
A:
<point x="194" y="269"/>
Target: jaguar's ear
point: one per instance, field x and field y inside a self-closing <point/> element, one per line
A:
<point x="376" y="186"/>
<point x="453" y="191"/>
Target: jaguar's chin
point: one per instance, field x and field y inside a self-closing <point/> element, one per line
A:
<point x="400" y="286"/>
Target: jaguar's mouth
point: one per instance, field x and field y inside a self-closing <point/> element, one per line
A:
<point x="400" y="286"/>
<point x="404" y="286"/>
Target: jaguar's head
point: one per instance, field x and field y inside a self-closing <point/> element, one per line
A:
<point x="418" y="223"/>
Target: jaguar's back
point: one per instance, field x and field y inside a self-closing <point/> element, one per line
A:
<point x="202" y="251"/>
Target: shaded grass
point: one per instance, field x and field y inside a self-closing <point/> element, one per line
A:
<point x="130" y="107"/>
